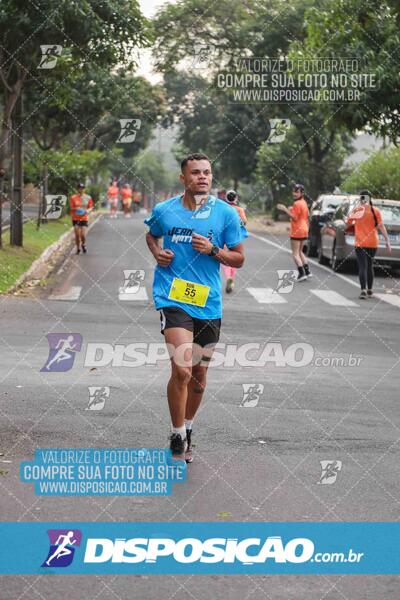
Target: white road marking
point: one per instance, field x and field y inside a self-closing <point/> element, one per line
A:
<point x="266" y="296"/>
<point x="310" y="260"/>
<point x="333" y="298"/>
<point x="389" y="298"/>
<point x="71" y="295"/>
<point x="132" y="294"/>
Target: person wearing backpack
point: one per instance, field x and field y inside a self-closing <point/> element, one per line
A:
<point x="367" y="220"/>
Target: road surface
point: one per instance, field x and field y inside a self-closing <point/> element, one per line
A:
<point x="259" y="462"/>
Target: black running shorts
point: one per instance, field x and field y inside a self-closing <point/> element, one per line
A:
<point x="80" y="223"/>
<point x="205" y="331"/>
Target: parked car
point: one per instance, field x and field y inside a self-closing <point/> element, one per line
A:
<point x="337" y="238"/>
<point x="321" y="211"/>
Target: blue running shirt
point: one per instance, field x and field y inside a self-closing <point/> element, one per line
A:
<point x="215" y="220"/>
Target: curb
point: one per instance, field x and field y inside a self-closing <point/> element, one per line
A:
<point x="56" y="246"/>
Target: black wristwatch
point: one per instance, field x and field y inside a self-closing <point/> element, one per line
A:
<point x="214" y="251"/>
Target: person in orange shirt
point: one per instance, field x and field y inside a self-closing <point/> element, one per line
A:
<point x="80" y="205"/>
<point x="126" y="194"/>
<point x="231" y="198"/>
<point x="137" y="198"/>
<point x="367" y="219"/>
<point x="112" y="195"/>
<point x="298" y="214"/>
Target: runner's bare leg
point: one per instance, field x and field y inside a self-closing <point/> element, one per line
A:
<point x="77" y="235"/>
<point x="198" y="381"/>
<point x="177" y="389"/>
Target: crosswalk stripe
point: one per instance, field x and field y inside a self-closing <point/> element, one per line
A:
<point x="71" y="295"/>
<point x="132" y="294"/>
<point x="266" y="296"/>
<point x="393" y="299"/>
<point x="333" y="298"/>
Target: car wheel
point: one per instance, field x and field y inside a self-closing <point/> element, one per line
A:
<point x="321" y="258"/>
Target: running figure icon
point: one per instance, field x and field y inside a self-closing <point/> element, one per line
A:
<point x="62" y="549"/>
<point x="64" y="348"/>
<point x="62" y="351"/>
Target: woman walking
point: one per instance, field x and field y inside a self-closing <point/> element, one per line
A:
<point x="367" y="219"/>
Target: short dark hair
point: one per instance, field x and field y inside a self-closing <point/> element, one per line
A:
<point x="194" y="156"/>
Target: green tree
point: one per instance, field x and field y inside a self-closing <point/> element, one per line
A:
<point x="380" y="174"/>
<point x="232" y="133"/>
<point x="99" y="33"/>
<point x="150" y="174"/>
<point x="280" y="165"/>
<point x="367" y="30"/>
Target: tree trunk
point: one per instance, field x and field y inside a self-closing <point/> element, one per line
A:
<point x="16" y="231"/>
<point x="9" y="104"/>
<point x="45" y="190"/>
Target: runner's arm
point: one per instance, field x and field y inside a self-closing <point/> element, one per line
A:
<point x="232" y="257"/>
<point x="163" y="257"/>
<point x="289" y="211"/>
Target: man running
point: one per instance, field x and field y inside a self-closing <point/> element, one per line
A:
<point x="80" y="205"/>
<point x="112" y="196"/>
<point x="298" y="214"/>
<point x="195" y="228"/>
<point x="231" y="197"/>
<point x="137" y="198"/>
<point x="126" y="194"/>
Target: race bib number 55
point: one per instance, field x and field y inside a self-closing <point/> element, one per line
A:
<point x="188" y="292"/>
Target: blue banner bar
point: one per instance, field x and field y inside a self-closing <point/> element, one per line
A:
<point x="200" y="548"/>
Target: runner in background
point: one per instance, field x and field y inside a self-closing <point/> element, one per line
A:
<point x="126" y="194"/>
<point x="137" y="197"/>
<point x="231" y="198"/>
<point x="366" y="220"/>
<point x="80" y="205"/>
<point x="112" y="195"/>
<point x="298" y="214"/>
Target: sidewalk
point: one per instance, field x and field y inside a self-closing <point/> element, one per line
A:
<point x="15" y="261"/>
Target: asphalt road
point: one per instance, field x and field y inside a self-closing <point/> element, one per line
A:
<point x="30" y="212"/>
<point x="252" y="463"/>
